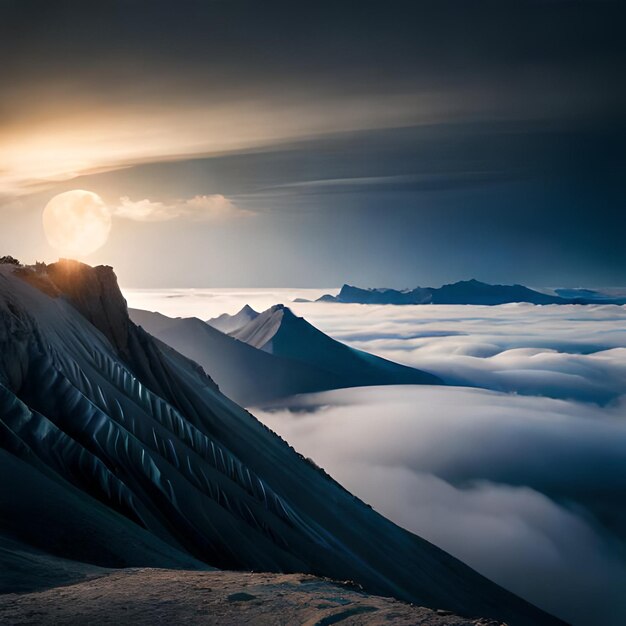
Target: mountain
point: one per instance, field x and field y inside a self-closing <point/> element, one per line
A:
<point x="127" y="440"/>
<point x="469" y="292"/>
<point x="475" y="292"/>
<point x="230" y="323"/>
<point x="613" y="296"/>
<point x="279" y="332"/>
<point x="243" y="373"/>
<point x="274" y="355"/>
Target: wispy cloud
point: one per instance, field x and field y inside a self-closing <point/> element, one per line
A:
<point x="202" y="208"/>
<point x="512" y="485"/>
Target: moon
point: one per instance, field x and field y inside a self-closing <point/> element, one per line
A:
<point x="76" y="223"/>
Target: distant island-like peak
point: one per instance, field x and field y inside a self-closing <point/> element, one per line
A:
<point x="471" y="291"/>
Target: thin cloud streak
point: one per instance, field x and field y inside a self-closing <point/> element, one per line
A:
<point x="237" y="75"/>
<point x="37" y="155"/>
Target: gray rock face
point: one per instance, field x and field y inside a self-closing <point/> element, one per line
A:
<point x="94" y="404"/>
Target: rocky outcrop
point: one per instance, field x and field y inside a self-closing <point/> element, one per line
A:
<point x="94" y="292"/>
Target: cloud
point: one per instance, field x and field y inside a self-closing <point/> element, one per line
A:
<point x="526" y="490"/>
<point x="207" y="303"/>
<point x="567" y="352"/>
<point x="563" y="352"/>
<point x="215" y="207"/>
<point x="523" y="479"/>
<point x="121" y="99"/>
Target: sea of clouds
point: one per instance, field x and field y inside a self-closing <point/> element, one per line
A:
<point x="518" y="467"/>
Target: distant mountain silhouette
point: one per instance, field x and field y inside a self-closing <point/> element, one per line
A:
<point x="469" y="292"/>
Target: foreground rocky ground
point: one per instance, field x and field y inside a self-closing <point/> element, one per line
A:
<point x="157" y="596"/>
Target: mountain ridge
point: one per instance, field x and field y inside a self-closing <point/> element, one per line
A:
<point x="230" y="323"/>
<point x="276" y="354"/>
<point x="247" y="375"/>
<point x="470" y="292"/>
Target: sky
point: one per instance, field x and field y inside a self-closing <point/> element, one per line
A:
<point x="311" y="144"/>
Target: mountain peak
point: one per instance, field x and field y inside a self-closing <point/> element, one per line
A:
<point x="230" y="323"/>
<point x="260" y="331"/>
<point x="472" y="282"/>
<point x="284" y="309"/>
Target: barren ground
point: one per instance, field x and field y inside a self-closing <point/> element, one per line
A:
<point x="157" y="596"/>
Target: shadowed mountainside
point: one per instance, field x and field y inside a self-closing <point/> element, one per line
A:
<point x="274" y="354"/>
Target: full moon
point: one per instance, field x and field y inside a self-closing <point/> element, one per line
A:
<point x="77" y="222"/>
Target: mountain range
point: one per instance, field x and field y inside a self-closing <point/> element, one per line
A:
<point x="471" y="292"/>
<point x="118" y="451"/>
<point x="273" y="354"/>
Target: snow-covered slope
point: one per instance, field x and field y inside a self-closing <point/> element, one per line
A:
<point x="230" y="323"/>
<point x="260" y="331"/>
<point x="94" y="402"/>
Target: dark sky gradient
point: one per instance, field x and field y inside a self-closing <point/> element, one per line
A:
<point x="395" y="143"/>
